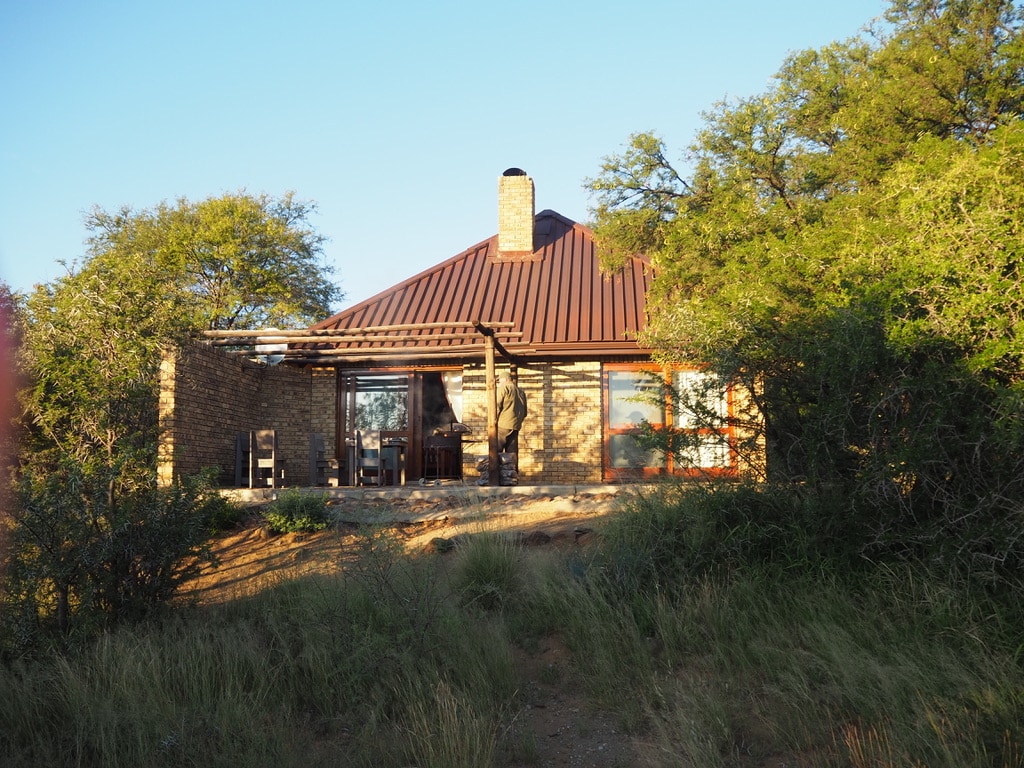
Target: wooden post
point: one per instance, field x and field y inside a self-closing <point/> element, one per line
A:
<point x="493" y="473"/>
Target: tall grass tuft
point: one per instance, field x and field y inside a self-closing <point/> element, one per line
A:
<point x="488" y="571"/>
<point x="718" y="631"/>
<point x="764" y="644"/>
<point x="446" y="728"/>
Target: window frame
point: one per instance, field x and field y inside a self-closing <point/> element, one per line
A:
<point x="613" y="428"/>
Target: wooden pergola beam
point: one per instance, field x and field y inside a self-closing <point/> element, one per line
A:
<point x="238" y="341"/>
<point x="453" y="350"/>
<point x="330" y="356"/>
<point x="407" y="346"/>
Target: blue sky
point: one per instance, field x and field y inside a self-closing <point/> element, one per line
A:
<point x="395" y="118"/>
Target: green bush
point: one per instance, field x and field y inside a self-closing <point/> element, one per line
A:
<point x="683" y="532"/>
<point x="297" y="512"/>
<point x="222" y="514"/>
<point x="84" y="556"/>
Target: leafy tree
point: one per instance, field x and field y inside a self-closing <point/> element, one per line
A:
<point x="235" y="261"/>
<point x="847" y="244"/>
<point x="94" y="534"/>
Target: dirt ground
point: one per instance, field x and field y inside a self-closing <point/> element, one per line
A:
<point x="556" y="723"/>
<point x="250" y="559"/>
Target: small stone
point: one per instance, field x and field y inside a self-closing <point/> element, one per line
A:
<point x="440" y="545"/>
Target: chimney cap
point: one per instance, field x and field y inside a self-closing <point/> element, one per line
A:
<point x="514" y="172"/>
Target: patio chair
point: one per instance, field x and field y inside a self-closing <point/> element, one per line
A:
<point x="322" y="469"/>
<point x="266" y="467"/>
<point x="369" y="460"/>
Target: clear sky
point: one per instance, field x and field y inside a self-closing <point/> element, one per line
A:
<point x="395" y="118"/>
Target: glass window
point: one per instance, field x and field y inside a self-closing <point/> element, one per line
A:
<point x="705" y="451"/>
<point x="690" y="407"/>
<point x="626" y="452"/>
<point x="382" y="402"/>
<point x="634" y="397"/>
<point x="701" y="400"/>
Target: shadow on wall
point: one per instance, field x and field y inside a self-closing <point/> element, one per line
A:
<point x="564" y="440"/>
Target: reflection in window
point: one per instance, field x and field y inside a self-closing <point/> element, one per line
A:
<point x="382" y="402"/>
<point x="701" y="400"/>
<point x="706" y="451"/>
<point x="626" y="453"/>
<point x="702" y="405"/>
<point x="631" y="399"/>
<point x="688" y="408"/>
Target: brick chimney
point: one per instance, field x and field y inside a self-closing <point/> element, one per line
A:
<point x="515" y="213"/>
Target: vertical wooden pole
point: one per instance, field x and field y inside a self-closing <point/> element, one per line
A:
<point x="340" y="415"/>
<point x="350" y="428"/>
<point x="493" y="474"/>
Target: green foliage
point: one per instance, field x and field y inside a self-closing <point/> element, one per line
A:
<point x="694" y="596"/>
<point x="307" y="674"/>
<point x="90" y="358"/>
<point x="688" y="533"/>
<point x="93" y="339"/>
<point x="488" y="572"/>
<point x="223" y="514"/>
<point x="235" y="261"/>
<point x="79" y="562"/>
<point x="93" y="529"/>
<point x="847" y="247"/>
<point x="297" y="512"/>
<point x="766" y="650"/>
<point x="881" y="669"/>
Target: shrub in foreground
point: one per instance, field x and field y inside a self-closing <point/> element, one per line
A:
<point x="297" y="512"/>
<point x="85" y="556"/>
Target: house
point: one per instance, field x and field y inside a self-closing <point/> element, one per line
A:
<point x="417" y="361"/>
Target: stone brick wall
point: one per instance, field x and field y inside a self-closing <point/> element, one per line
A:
<point x="561" y="439"/>
<point x="323" y="411"/>
<point x="515" y="214"/>
<point x="207" y="397"/>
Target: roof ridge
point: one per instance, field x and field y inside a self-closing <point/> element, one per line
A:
<point x="548" y="213"/>
<point x="558" y="298"/>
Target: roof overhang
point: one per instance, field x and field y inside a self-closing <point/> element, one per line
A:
<point x="394" y="345"/>
<point x="386" y="344"/>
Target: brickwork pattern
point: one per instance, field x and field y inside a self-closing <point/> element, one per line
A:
<point x="515" y="214"/>
<point x="324" y="406"/>
<point x="207" y="397"/>
<point x="561" y="439"/>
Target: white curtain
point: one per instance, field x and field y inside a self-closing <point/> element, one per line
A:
<point x="453" y="391"/>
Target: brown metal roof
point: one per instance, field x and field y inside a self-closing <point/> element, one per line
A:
<point x="557" y="298"/>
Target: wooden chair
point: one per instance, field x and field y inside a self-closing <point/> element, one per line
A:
<point x="266" y="467"/>
<point x="243" y="457"/>
<point x="322" y="470"/>
<point x="368" y="459"/>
